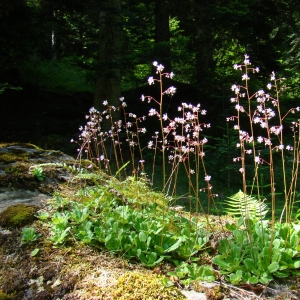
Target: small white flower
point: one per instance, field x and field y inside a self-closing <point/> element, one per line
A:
<point x="105" y="102"/>
<point x="152" y="112"/>
<point x="150" y="145"/>
<point x="269" y="86"/>
<point x="154" y="63"/>
<point x="245" y="77"/>
<point x="121" y="99"/>
<point x="192" y="171"/>
<point x="260" y="139"/>
<point x="246" y="61"/>
<point x="273" y="76"/>
<point x="260" y="92"/>
<point x="241" y="170"/>
<point x="150" y="80"/>
<point x="160" y="68"/>
<point x="171" y="90"/>
<point x="207" y="178"/>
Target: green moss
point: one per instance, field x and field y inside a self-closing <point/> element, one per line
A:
<point x="4" y="296"/>
<point x="12" y="157"/>
<point x="140" y="286"/>
<point x="23" y="145"/>
<point x="17" y="215"/>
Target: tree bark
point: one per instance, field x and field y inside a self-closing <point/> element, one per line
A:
<point x="204" y="43"/>
<point x="108" y="82"/>
<point x="162" y="34"/>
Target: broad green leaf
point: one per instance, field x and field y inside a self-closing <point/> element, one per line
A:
<point x="281" y="274"/>
<point x="174" y="246"/>
<point x="273" y="267"/>
<point x="235" y="278"/>
<point x="297" y="264"/>
<point x="223" y="264"/>
<point x="253" y="279"/>
<point x="142" y="236"/>
<point x="276" y="243"/>
<point x="250" y="264"/>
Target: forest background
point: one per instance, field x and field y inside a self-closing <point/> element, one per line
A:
<point x="70" y="55"/>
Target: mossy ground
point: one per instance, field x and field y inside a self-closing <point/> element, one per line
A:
<point x="75" y="271"/>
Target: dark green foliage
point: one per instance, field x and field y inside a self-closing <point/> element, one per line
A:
<point x="260" y="258"/>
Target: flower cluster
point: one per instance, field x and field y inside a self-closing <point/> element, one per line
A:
<point x="263" y="114"/>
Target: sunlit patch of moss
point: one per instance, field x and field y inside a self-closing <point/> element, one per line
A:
<point x="138" y="193"/>
<point x="4" y="296"/>
<point x="213" y="292"/>
<point x="17" y="168"/>
<point x="18" y="215"/>
<point x="12" y="157"/>
<point x="23" y="145"/>
<point x="140" y="286"/>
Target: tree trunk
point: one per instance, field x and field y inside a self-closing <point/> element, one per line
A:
<point x="162" y="34"/>
<point x="204" y="44"/>
<point x="108" y="82"/>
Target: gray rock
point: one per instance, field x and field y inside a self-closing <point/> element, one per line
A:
<point x="10" y="197"/>
<point x="193" y="295"/>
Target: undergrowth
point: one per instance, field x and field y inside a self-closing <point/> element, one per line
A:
<point x="121" y="212"/>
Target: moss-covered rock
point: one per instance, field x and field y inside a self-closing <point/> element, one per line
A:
<point x="141" y="286"/>
<point x="18" y="215"/>
<point x="4" y="296"/>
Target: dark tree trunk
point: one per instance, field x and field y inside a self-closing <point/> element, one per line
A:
<point x="162" y="34"/>
<point x="108" y="82"/>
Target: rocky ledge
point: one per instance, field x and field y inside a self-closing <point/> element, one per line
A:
<point x="18" y="182"/>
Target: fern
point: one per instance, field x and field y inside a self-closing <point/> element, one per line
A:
<point x="246" y="206"/>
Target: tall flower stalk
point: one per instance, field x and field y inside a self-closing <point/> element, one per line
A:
<point x="263" y="111"/>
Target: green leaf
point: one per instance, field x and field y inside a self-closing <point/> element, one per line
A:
<point x="142" y="236"/>
<point x="250" y="264"/>
<point x="273" y="267"/>
<point x="297" y="264"/>
<point x="223" y="264"/>
<point x="235" y="278"/>
<point x="174" y="246"/>
<point x="35" y="252"/>
<point x="253" y="280"/>
<point x="231" y="227"/>
<point x="281" y="274"/>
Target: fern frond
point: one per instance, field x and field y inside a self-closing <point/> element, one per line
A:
<point x="246" y="206"/>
